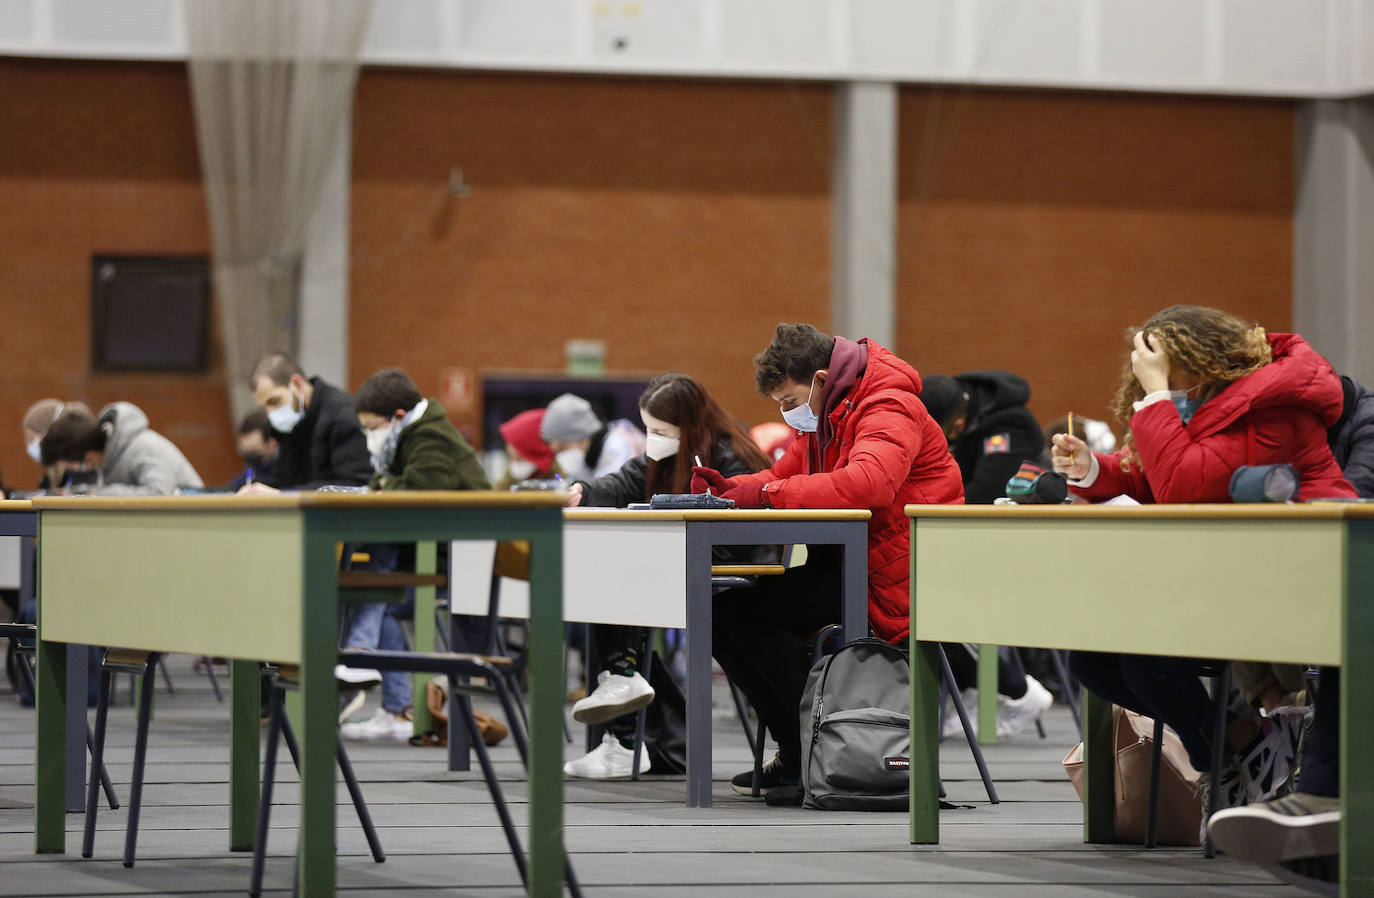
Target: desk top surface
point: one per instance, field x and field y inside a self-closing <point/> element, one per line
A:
<point x="723" y="514"/>
<point x="294" y="501"/>
<point x="16" y="505"/>
<point x="1234" y="512"/>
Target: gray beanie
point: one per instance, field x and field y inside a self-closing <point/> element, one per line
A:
<point x="568" y="417"/>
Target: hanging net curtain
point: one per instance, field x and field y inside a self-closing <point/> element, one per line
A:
<point x="272" y="82"/>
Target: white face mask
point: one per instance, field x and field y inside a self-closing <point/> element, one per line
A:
<point x="659" y="447"/>
<point x="521" y="468"/>
<point x="34" y="448"/>
<point x="376" y="439"/>
<point x="802" y="418"/>
<point x="572" y="462"/>
<point x="286" y="416"/>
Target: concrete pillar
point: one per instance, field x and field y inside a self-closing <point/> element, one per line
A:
<point x="1333" y="232"/>
<point x="863" y="261"/>
<point x="323" y="336"/>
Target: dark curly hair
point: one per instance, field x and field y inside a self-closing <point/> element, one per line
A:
<point x="1216" y="348"/>
<point x="797" y="352"/>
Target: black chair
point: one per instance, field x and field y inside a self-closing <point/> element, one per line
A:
<point x="278" y="680"/>
<point x="143" y="664"/>
<point x="459" y="669"/>
<point x="1220" y="673"/>
<point x="22" y="637"/>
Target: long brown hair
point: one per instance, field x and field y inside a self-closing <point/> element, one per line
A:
<point x="1216" y="348"/>
<point x="702" y="425"/>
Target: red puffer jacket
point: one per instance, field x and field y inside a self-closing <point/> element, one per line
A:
<point x="886" y="452"/>
<point x="1278" y="414"/>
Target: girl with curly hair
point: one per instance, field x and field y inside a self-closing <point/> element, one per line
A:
<point x="1202" y="394"/>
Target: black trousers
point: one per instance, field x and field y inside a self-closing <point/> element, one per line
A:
<point x="760" y="637"/>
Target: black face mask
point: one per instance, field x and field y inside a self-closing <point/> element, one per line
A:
<point x="253" y="459"/>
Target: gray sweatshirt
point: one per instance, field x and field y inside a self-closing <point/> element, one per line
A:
<point x="140" y="461"/>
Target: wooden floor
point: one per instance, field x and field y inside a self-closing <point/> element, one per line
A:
<point x="439" y="829"/>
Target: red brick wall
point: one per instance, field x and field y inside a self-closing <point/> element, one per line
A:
<point x="95" y="158"/>
<point x="1035" y="227"/>
<point x="676" y="220"/>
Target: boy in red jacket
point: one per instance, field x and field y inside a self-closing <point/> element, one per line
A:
<point x="864" y="441"/>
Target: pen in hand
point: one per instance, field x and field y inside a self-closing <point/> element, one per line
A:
<point x="697" y="459"/>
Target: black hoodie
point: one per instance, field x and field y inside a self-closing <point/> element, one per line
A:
<point x="999" y="433"/>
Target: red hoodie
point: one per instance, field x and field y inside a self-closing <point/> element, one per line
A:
<point x="879" y="449"/>
<point x="1276" y="415"/>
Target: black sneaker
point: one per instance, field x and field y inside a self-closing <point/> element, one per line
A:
<point x="772" y="776"/>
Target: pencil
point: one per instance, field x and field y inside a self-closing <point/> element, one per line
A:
<point x="1070" y="428"/>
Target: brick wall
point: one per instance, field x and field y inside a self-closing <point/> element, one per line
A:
<point x="676" y="220"/>
<point x="95" y="158"/>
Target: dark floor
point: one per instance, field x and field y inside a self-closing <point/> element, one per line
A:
<point x="439" y="830"/>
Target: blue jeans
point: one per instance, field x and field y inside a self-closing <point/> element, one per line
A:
<point x="375" y="626"/>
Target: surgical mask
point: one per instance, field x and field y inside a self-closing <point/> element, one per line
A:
<point x="572" y="462"/>
<point x="521" y="468"/>
<point x="802" y="417"/>
<point x="1186" y="407"/>
<point x="34" y="448"/>
<point x="376" y="439"/>
<point x="286" y="416"/>
<point x="659" y="447"/>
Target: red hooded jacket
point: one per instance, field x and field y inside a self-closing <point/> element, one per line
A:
<point x="878" y="448"/>
<point x="1276" y="415"/>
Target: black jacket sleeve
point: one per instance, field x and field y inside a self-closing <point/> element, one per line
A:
<point x="619" y="488"/>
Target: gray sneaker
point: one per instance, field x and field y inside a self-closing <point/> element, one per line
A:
<point x="1286" y="829"/>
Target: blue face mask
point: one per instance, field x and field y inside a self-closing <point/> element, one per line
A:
<point x="802" y="417"/>
<point x="1186" y="407"/>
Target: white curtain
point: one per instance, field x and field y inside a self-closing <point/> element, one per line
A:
<point x="272" y="82"/>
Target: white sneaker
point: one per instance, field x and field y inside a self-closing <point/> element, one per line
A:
<point x="953" y="727"/>
<point x="1014" y="715"/>
<point x="383" y="726"/>
<point x="614" y="696"/>
<point x="356" y="676"/>
<point x="608" y="761"/>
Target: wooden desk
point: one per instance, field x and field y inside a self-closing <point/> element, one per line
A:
<point x="653" y="569"/>
<point x="256" y="578"/>
<point x="1288" y="583"/>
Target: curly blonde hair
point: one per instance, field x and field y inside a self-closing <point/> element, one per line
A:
<point x="1216" y="348"/>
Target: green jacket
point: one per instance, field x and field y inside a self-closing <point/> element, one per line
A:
<point x="432" y="455"/>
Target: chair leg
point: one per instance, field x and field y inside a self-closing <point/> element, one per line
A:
<point x="166" y="677"/>
<point x="522" y="747"/>
<point x="1221" y="690"/>
<point x="1062" y="669"/>
<point x="214" y="680"/>
<point x="464" y="710"/>
<point x="756" y="780"/>
<point x="742" y="710"/>
<point x="356" y="793"/>
<point x="968" y="727"/>
<point x="145" y="711"/>
<point x="108" y="786"/>
<point x="1152" y="808"/>
<point x="269" y="776"/>
<point x="102" y="711"/>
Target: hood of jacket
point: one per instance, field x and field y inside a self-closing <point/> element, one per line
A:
<point x="990" y="392"/>
<point x="122" y="422"/>
<point x="1297" y="376"/>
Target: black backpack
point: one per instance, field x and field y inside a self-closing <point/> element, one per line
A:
<point x="856" y="729"/>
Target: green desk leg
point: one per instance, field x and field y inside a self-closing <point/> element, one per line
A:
<point x="425" y="563"/>
<point x="1357" y="713"/>
<point x="245" y="714"/>
<point x="319" y="717"/>
<point x="1099" y="798"/>
<point x="925" y="743"/>
<point x="50" y="762"/>
<point x="987" y="695"/>
<point x="546" y="708"/>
